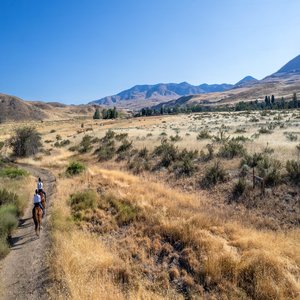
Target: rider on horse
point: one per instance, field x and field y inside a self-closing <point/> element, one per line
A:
<point x="40" y="187"/>
<point x="37" y="201"/>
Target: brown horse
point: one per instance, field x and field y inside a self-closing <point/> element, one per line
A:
<point x="37" y="218"/>
<point x="43" y="199"/>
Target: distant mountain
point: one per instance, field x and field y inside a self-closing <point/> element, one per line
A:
<point x="293" y="66"/>
<point x="159" y="93"/>
<point x="246" y="81"/>
<point x="212" y="88"/>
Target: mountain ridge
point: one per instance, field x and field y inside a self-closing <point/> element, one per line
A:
<point x="160" y="92"/>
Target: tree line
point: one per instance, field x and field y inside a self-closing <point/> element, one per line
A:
<point x="269" y="103"/>
<point x="110" y="113"/>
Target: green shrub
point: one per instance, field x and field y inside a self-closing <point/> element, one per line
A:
<point x="52" y="130"/>
<point x="253" y="119"/>
<point x="293" y="169"/>
<point x="127" y="212"/>
<point x="239" y="188"/>
<point x="26" y="142"/>
<point x="231" y="149"/>
<point x="7" y="197"/>
<point x="144" y="152"/>
<point x="214" y="174"/>
<point x="139" y="164"/>
<point x="1" y="145"/>
<point x="81" y="201"/>
<point x="291" y="137"/>
<point x="207" y="156"/>
<point x="167" y="153"/>
<point x="75" y="168"/>
<point x="264" y="130"/>
<point x="4" y="247"/>
<point x="221" y="137"/>
<point x="8" y="219"/>
<point x="121" y="136"/>
<point x="269" y="169"/>
<point x="240" y="138"/>
<point x="185" y="163"/>
<point x="62" y="143"/>
<point x="240" y="130"/>
<point x="124" y="149"/>
<point x="74" y="148"/>
<point x="175" y="138"/>
<point x="12" y="172"/>
<point x="86" y="144"/>
<point x="203" y="134"/>
<point x="107" y="149"/>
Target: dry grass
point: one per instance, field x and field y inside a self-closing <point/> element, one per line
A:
<point x="216" y="256"/>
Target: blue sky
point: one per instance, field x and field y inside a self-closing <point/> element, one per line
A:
<point x="74" y="51"/>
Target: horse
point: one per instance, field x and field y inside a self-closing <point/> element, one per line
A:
<point x="43" y="199"/>
<point x="37" y="215"/>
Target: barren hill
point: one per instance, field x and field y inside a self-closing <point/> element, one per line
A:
<point x="15" y="109"/>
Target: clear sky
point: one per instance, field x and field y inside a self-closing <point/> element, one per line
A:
<point x="75" y="51"/>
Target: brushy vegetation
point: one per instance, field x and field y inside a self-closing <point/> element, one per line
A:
<point x="270" y="170"/>
<point x="12" y="172"/>
<point x="107" y="148"/>
<point x="203" y="134"/>
<point x="239" y="188"/>
<point x="8" y="222"/>
<point x="75" y="168"/>
<point x="82" y="201"/>
<point x="62" y="143"/>
<point x="214" y="174"/>
<point x="86" y="144"/>
<point x="26" y="141"/>
<point x="10" y="208"/>
<point x="166" y="152"/>
<point x="185" y="164"/>
<point x="231" y="149"/>
<point x="293" y="170"/>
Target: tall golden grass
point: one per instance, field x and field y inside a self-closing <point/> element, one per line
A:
<point x="231" y="260"/>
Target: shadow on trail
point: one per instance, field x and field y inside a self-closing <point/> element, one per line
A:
<point x="23" y="224"/>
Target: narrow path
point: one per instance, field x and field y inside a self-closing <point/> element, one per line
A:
<point x="24" y="272"/>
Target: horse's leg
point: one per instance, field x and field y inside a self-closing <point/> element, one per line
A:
<point x="35" y="219"/>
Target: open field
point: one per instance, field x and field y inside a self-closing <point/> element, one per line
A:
<point x="138" y="226"/>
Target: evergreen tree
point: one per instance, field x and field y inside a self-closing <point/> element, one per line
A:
<point x="162" y="110"/>
<point x="272" y="99"/>
<point x="96" y="115"/>
<point x="114" y="113"/>
<point x="104" y="113"/>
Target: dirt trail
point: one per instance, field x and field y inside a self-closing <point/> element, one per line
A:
<point x="24" y="272"/>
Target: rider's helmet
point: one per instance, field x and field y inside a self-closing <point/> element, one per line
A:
<point x="40" y="179"/>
